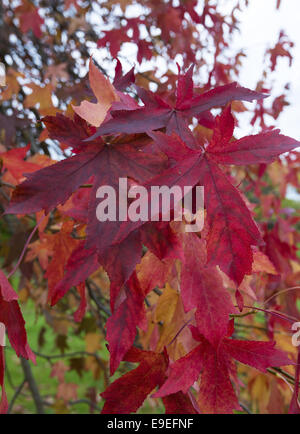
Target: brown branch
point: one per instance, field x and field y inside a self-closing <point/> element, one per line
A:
<point x="157" y="291"/>
<point x="99" y="305"/>
<point x="69" y="355"/>
<point x="76" y="353"/>
<point x="32" y="386"/>
<point x="279" y="373"/>
<point x="16" y="394"/>
<point x="85" y="401"/>
<point x="7" y="184"/>
<point x="245" y="408"/>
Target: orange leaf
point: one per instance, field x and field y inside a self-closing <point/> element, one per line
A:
<point x="105" y="94"/>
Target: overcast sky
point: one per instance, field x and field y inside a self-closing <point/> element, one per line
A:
<point x="260" y="27"/>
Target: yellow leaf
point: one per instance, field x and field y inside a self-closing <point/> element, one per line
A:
<point x="171" y="319"/>
<point x="92" y="342"/>
<point x="60" y="407"/>
<point x="261" y="263"/>
<point x="260" y="391"/>
<point x="12" y="84"/>
<point x="166" y="305"/>
<point x="284" y="342"/>
<point x="42" y="98"/>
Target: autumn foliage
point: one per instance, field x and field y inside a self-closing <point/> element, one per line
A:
<point x="193" y="322"/>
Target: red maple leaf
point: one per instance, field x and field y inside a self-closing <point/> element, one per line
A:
<point x="114" y="38"/>
<point x="233" y="231"/>
<point x="81" y="264"/>
<point x="158" y="113"/>
<point x="30" y="18"/>
<point x="216" y="394"/>
<point x="13" y="161"/>
<point x="129" y="312"/>
<point x="201" y="286"/>
<point x="11" y="317"/>
<point x="128" y="393"/>
<point x="104" y="164"/>
<point x="121" y="326"/>
<point x="122" y="81"/>
<point x="69" y="132"/>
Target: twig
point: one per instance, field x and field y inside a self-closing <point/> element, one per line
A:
<point x="25" y="247"/>
<point x="85" y="401"/>
<point x="277" y="372"/>
<point x="242" y="315"/>
<point x="16" y="394"/>
<point x="157" y="291"/>
<point x="179" y="331"/>
<point x="152" y="80"/>
<point x="76" y="353"/>
<point x="286" y="374"/>
<point x="7" y="184"/>
<point x="95" y="299"/>
<point x="280" y="292"/>
<point x="248" y="326"/>
<point x="32" y="386"/>
<point x="245" y="408"/>
<point x="8" y="375"/>
<point x="69" y="355"/>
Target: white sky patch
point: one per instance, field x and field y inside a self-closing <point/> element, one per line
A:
<point x="260" y="27"/>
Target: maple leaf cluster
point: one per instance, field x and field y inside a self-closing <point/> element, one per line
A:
<point x="183" y="306"/>
<point x="125" y="145"/>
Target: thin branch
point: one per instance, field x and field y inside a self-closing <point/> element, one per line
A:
<point x="281" y="292"/>
<point x="32" y="386"/>
<point x="286" y="374"/>
<point x="7" y="184"/>
<point x="25" y="247"/>
<point x="277" y="372"/>
<point x="242" y="315"/>
<point x="152" y="80"/>
<point x="99" y="305"/>
<point x="85" y="401"/>
<point x="16" y="394"/>
<point x="245" y="408"/>
<point x="69" y="355"/>
<point x="75" y="354"/>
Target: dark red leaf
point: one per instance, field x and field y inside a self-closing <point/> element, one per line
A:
<point x="128" y="393"/>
